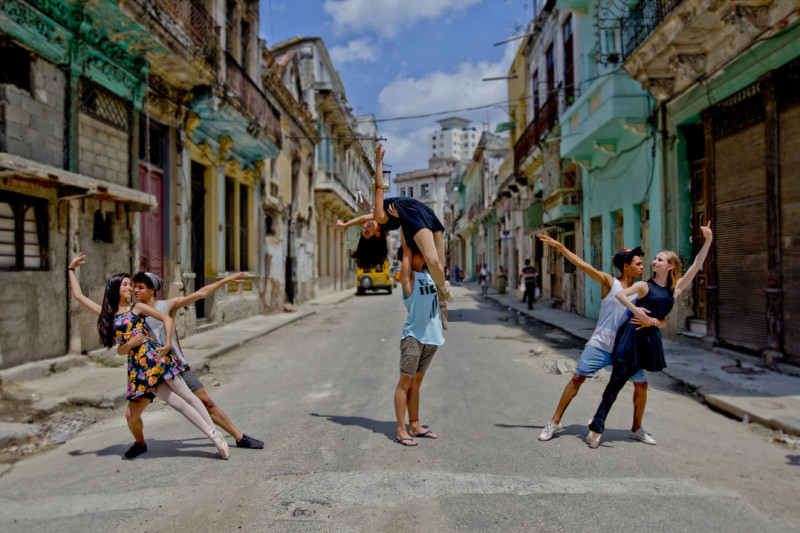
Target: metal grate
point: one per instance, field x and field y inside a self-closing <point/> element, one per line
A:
<point x="104" y="106"/>
<point x="739" y="110"/>
<point x="787" y="83"/>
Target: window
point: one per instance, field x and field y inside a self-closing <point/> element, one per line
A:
<point x="15" y="69"/>
<point x="569" y="66"/>
<point x="569" y="242"/>
<point x="411" y="192"/>
<point x="551" y="70"/>
<point x="103" y="105"/>
<point x="596" y="242"/>
<point x="403" y="190"/>
<point x="425" y="190"/>
<point x="617" y="241"/>
<point x="101" y="232"/>
<point x="230" y="224"/>
<point x="23" y="232"/>
<point x="535" y="83"/>
<point x="269" y="225"/>
<point x="244" y="229"/>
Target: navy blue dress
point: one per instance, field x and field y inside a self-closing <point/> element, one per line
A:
<point x="413" y="216"/>
<point x="643" y="348"/>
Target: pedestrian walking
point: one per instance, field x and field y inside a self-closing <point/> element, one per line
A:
<point x="597" y="352"/>
<point x="422" y="336"/>
<point x="152" y="367"/>
<point x="529" y="278"/>
<point x="484" y="276"/>
<point x="423" y="232"/>
<point x="502" y="280"/>
<point x="457" y="272"/>
<point x="638" y="345"/>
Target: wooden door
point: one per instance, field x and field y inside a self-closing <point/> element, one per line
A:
<point x="699" y="218"/>
<point x="151" y="242"/>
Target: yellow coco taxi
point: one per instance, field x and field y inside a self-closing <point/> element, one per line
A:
<point x="375" y="279"/>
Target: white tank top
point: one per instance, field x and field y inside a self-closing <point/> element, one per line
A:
<point x="612" y="315"/>
<point x="161" y="333"/>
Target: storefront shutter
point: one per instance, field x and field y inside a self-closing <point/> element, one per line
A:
<point x="741" y="236"/>
<point x="790" y="229"/>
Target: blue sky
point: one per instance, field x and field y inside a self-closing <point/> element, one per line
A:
<point x="409" y="57"/>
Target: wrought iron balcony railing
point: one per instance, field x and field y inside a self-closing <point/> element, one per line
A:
<point x="546" y="117"/>
<point x="197" y="21"/>
<point x="560" y="197"/>
<point x="251" y="97"/>
<point x="641" y="21"/>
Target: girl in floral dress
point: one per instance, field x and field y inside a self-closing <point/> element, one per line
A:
<point x="151" y="367"/>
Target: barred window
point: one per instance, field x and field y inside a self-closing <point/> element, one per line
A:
<point x="23" y="232"/>
<point x="103" y="105"/>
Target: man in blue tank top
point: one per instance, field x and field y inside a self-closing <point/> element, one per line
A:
<point x="422" y="336"/>
<point x="597" y="353"/>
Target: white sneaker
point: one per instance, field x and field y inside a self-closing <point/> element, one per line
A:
<point x="642" y="436"/>
<point x="222" y="445"/>
<point x="549" y="429"/>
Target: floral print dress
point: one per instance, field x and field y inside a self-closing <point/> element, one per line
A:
<point x="146" y="368"/>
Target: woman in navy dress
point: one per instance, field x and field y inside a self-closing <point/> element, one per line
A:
<point x="421" y="228"/>
<point x="638" y="347"/>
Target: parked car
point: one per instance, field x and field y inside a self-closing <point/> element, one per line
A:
<point x="375" y="279"/>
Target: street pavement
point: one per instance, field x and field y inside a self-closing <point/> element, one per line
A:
<point x="319" y="392"/>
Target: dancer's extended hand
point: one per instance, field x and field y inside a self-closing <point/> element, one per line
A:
<point x="236" y="277"/>
<point x="708" y="235"/>
<point x="78" y="261"/>
<point x="339" y="223"/>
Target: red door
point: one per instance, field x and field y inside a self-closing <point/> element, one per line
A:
<point x="152" y="223"/>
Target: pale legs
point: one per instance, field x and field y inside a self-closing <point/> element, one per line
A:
<point x="177" y="395"/>
<point x="431" y="245"/>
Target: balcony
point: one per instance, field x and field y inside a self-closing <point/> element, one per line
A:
<point x="668" y="45"/>
<point x="197" y="22"/>
<point x="546" y="117"/>
<point x="561" y="205"/>
<point x="642" y="21"/>
<point x="251" y="98"/>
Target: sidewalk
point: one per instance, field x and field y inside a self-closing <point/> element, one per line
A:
<point x="44" y="387"/>
<point x="769" y="398"/>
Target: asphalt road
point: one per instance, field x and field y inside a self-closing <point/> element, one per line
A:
<point x="319" y="392"/>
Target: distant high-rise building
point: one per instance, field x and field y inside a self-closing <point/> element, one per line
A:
<point x="455" y="140"/>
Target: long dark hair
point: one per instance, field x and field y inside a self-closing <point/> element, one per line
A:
<point x="372" y="252"/>
<point x="105" y="324"/>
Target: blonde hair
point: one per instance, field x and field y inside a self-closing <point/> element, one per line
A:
<point x="675" y="273"/>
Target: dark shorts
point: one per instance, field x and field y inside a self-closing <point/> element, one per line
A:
<point x="415" y="357"/>
<point x="188" y="376"/>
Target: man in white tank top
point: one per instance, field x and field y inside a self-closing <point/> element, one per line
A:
<point x="597" y="353"/>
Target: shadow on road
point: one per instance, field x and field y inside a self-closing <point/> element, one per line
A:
<point x="160" y="448"/>
<point x="381" y="427"/>
<point x="793" y="460"/>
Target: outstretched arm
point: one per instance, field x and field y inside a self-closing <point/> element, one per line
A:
<point x="76" y="287"/>
<point x="173" y="304"/>
<point x="406" y="275"/>
<point x="359" y="221"/>
<point x="605" y="280"/>
<point x="687" y="278"/>
<point x="380" y="213"/>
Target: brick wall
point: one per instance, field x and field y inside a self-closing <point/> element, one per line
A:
<point x="102" y="150"/>
<point x="32" y="123"/>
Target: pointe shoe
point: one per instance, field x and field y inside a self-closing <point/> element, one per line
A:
<point x="444" y="293"/>
<point x="222" y="445"/>
<point x="593" y="443"/>
<point x="443" y="313"/>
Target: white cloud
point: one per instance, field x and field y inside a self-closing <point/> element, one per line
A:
<point x="439" y="92"/>
<point x="387" y="17"/>
<point x="357" y="50"/>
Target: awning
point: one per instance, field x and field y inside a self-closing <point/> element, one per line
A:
<point x="71" y="185"/>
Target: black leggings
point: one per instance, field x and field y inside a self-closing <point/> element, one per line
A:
<point x="620" y="373"/>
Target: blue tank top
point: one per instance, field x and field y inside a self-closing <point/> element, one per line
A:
<point x="424" y="320"/>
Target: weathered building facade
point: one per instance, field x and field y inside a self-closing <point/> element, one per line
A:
<point x="342" y="167"/>
<point x="725" y="75"/>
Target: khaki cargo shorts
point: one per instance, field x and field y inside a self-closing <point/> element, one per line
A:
<point x="415" y="357"/>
